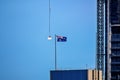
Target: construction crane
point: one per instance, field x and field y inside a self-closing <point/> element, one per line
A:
<point x="100" y="37"/>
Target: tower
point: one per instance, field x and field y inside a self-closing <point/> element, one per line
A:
<point x="100" y="37"/>
<point x="112" y="39"/>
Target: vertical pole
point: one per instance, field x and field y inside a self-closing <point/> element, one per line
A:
<point x="95" y="74"/>
<point x="98" y="74"/>
<point x="49" y="16"/>
<point x="55" y="54"/>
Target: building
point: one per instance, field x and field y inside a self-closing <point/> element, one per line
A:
<point x="75" y="75"/>
<point x="112" y="39"/>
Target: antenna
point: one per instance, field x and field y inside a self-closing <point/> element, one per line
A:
<point x="49" y="37"/>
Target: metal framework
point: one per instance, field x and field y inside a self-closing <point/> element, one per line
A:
<point x="100" y="36"/>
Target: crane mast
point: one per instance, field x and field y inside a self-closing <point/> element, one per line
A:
<point x="100" y="37"/>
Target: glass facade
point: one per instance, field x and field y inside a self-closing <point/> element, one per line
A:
<point x="69" y="75"/>
<point x="115" y="53"/>
<point x="112" y="40"/>
<point x="115" y="11"/>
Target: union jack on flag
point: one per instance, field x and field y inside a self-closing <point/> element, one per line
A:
<point x="61" y="39"/>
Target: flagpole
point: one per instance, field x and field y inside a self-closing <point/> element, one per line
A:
<point x="55" y="54"/>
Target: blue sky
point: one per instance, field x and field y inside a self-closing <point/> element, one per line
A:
<point x="25" y="52"/>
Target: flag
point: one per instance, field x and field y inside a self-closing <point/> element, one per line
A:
<point x="61" y="39"/>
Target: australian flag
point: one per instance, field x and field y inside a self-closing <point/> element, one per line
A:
<point x="61" y="39"/>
